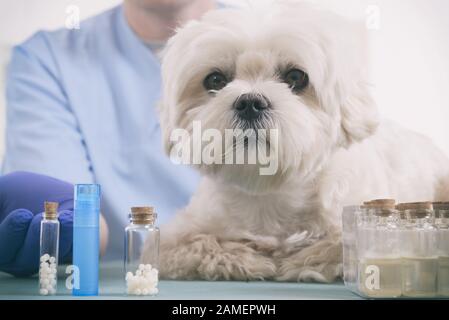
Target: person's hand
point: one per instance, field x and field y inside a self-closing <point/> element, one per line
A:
<point x="22" y="197"/>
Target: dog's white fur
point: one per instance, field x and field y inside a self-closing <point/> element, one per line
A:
<point x="333" y="148"/>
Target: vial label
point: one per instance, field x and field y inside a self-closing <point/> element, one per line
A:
<point x="143" y="282"/>
<point x="47" y="275"/>
<point x="380" y="277"/>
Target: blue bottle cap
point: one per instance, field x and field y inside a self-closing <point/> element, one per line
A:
<point x="87" y="192"/>
<point x="87" y="204"/>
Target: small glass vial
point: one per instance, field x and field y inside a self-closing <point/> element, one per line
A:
<point x="349" y="239"/>
<point x="142" y="252"/>
<point x="380" y="262"/>
<point x="364" y="227"/>
<point x="419" y="241"/>
<point x="441" y="210"/>
<point x="49" y="246"/>
<point x="402" y="216"/>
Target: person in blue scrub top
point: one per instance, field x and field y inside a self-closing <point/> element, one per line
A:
<point x="81" y="107"/>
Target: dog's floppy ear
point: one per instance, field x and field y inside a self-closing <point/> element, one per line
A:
<point x="169" y="96"/>
<point x="359" y="116"/>
<point x="166" y="127"/>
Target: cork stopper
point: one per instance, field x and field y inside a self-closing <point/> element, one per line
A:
<point x="383" y="203"/>
<point x="365" y="205"/>
<point x="416" y="209"/>
<point x="415" y="206"/>
<point x="440" y="205"/>
<point x="51" y="210"/>
<point x="143" y="215"/>
<point x="381" y="207"/>
<point x="441" y="209"/>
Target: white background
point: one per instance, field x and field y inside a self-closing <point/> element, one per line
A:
<point x="409" y="52"/>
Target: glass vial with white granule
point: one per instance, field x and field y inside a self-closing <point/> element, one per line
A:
<point x="142" y="238"/>
<point x="380" y="259"/>
<point x="49" y="246"/>
<point x="441" y="210"/>
<point x="350" y="217"/>
<point x="420" y="258"/>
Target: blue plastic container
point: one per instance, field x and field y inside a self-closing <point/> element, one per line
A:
<point x="86" y="238"/>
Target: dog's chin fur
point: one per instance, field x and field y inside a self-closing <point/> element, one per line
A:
<point x="333" y="149"/>
<point x="246" y="178"/>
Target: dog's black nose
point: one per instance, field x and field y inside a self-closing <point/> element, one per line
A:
<point x="251" y="106"/>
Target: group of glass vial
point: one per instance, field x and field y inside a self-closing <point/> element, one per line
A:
<point x="403" y="249"/>
<point x="142" y="252"/>
<point x="86" y="217"/>
<point x="49" y="243"/>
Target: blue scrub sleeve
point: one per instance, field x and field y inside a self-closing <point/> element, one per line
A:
<point x="42" y="133"/>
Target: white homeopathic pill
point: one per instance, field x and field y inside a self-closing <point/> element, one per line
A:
<point x="47" y="275"/>
<point x="143" y="282"/>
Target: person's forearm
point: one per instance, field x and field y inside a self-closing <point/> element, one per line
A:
<point x="104" y="235"/>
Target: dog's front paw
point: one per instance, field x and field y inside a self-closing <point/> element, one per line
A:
<point x="320" y="262"/>
<point x="236" y="261"/>
<point x="205" y="257"/>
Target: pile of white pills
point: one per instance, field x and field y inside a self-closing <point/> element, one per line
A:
<point x="47" y="275"/>
<point x="143" y="282"/>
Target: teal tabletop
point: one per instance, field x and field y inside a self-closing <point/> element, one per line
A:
<point x="112" y="287"/>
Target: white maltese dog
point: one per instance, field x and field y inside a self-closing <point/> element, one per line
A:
<point x="295" y="70"/>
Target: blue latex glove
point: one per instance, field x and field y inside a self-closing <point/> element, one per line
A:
<point x="22" y="197"/>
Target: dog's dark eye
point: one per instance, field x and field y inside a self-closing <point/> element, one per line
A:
<point x="215" y="81"/>
<point x="296" y="79"/>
